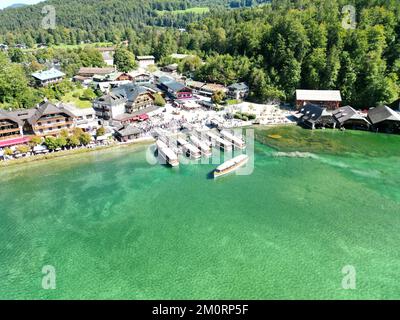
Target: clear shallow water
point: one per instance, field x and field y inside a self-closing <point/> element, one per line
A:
<point x="114" y="226"/>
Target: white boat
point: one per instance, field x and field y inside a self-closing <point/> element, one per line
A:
<point x="231" y="165"/>
<point x="189" y="150"/>
<point x="203" y="147"/>
<point x="167" y="154"/>
<point x="223" y="144"/>
<point x="236" y="141"/>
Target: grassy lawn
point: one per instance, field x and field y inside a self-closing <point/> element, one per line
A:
<point x="76" y="46"/>
<point x="196" y="10"/>
<point x="69" y="98"/>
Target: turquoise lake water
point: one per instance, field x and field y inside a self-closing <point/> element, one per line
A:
<point x="115" y="227"/>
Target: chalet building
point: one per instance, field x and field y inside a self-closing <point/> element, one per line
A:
<point x="176" y="89"/>
<point x="140" y="78"/>
<point x="329" y="99"/>
<point x="50" y="120"/>
<point x="45" y="78"/>
<point x="206" y="89"/>
<point x="128" y="132"/>
<point x="315" y="117"/>
<point x="109" y="106"/>
<point x="145" y="61"/>
<point x="126" y="103"/>
<point x="139" y="101"/>
<point x="91" y="72"/>
<point x="238" y="91"/>
<point x="384" y="119"/>
<point x="348" y="118"/>
<point x="138" y="97"/>
<point x="10" y="126"/>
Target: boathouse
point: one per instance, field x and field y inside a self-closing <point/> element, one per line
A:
<point x="329" y="99"/>
<point x="347" y="117"/>
<point x="384" y="119"/>
<point x="315" y="117"/>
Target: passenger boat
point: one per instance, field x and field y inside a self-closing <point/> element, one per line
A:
<point x="237" y="142"/>
<point x="231" y="165"/>
<point x="167" y="154"/>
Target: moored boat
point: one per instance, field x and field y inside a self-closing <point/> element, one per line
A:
<point x="231" y="165"/>
<point x="167" y="154"/>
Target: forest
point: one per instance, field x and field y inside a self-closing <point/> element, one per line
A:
<point x="276" y="47"/>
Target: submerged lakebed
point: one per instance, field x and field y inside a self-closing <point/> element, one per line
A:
<point x="114" y="226"/>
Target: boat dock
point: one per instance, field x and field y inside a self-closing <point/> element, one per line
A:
<point x="169" y="156"/>
<point x="236" y="141"/>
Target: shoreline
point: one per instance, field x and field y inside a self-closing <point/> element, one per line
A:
<point x="70" y="153"/>
<point x="75" y="152"/>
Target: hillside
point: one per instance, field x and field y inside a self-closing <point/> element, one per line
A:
<point x="94" y="19"/>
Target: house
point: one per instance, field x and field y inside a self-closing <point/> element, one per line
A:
<point x="161" y="76"/>
<point x="140" y="77"/>
<point x="314" y="117"/>
<point x="171" y="68"/>
<point x="206" y="89"/>
<point x="50" y="120"/>
<point x="176" y="89"/>
<point x="128" y="132"/>
<point x="91" y="72"/>
<point x="21" y="46"/>
<point x="137" y="97"/>
<point x="180" y="56"/>
<point x="384" y="119"/>
<point x="10" y="126"/>
<point x="347" y="117"/>
<point x="238" y="91"/>
<point x="329" y="99"/>
<point x="44" y="78"/>
<point x="109" y="106"/>
<point x="145" y="61"/>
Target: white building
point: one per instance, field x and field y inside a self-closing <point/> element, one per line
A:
<point x="145" y="61"/>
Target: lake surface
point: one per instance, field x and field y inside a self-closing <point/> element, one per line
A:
<point x="116" y="227"/>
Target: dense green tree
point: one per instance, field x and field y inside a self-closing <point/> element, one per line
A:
<point x="124" y="60"/>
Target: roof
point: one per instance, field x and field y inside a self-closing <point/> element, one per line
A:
<point x="47" y="108"/>
<point x="99" y="71"/>
<point x="383" y="113"/>
<point x="347" y="113"/>
<point x="129" y="130"/>
<point x="111" y="99"/>
<point x="318" y="95"/>
<point x="9" y="116"/>
<point x="130" y="91"/>
<point x="172" y="67"/>
<point x="172" y="84"/>
<point x="313" y="112"/>
<point x="14" y="142"/>
<point x="105" y="49"/>
<point x="48" y="74"/>
<point x="239" y="86"/>
<point x="145" y="58"/>
<point x="22" y="114"/>
<point x="180" y="56"/>
<point x="195" y="84"/>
